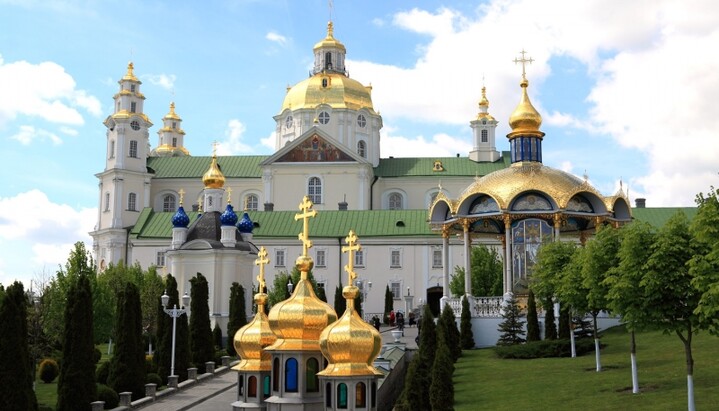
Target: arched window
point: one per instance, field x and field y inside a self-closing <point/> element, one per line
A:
<point x="133" y="148"/>
<point x="360" y="395"/>
<point x="266" y="386"/>
<point x="241" y="386"/>
<point x="314" y="190"/>
<point x="276" y="375"/>
<point x="328" y="60"/>
<point x="311" y="378"/>
<point x="328" y="395"/>
<point x="168" y="202"/>
<point x="291" y="375"/>
<point x="395" y="201"/>
<point x="527" y="237"/>
<point x="362" y="149"/>
<point x="342" y="396"/>
<point x="485" y="137"/>
<point x="132" y="202"/>
<point x="252" y="387"/>
<point x="251" y="202"/>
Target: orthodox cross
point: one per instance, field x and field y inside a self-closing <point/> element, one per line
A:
<point x="261" y="261"/>
<point x="304" y="236"/>
<point x="182" y="195"/>
<point x="214" y="148"/>
<point x="352" y="246"/>
<point x="229" y="195"/>
<point x="523" y="60"/>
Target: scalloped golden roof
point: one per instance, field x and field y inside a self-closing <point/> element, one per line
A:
<point x="299" y="320"/>
<point x="350" y="344"/>
<point x="213" y="177"/>
<point x="504" y="185"/>
<point x="122" y="114"/>
<point x="251" y="340"/>
<point x="166" y="148"/>
<point x="341" y="92"/>
<point x="330" y="40"/>
<point x="525" y="120"/>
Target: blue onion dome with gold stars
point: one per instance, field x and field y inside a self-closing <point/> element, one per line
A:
<point x="180" y="219"/>
<point x="228" y="217"/>
<point x="245" y="225"/>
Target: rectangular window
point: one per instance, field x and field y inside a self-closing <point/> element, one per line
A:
<point x="133" y="107"/>
<point x="484" y="136"/>
<point x="112" y="149"/>
<point x="107" y="201"/>
<point x="132" y="202"/>
<point x="132" y="88"/>
<point x="359" y="258"/>
<point x="437" y="258"/>
<point x="395" y="259"/>
<point x="320" y="260"/>
<point x="396" y="288"/>
<point x="133" y="148"/>
<point x="160" y="259"/>
<point x="321" y="284"/>
<point x="279" y="258"/>
<point x="174" y="141"/>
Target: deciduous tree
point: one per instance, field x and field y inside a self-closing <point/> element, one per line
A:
<point x="486" y="275"/>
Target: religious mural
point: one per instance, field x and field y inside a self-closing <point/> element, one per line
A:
<point x="315" y="149"/>
<point x="527" y="236"/>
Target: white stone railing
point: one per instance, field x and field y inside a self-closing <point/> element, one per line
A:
<point x="480" y="306"/>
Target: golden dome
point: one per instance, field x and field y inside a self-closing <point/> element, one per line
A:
<point x="350" y="344"/>
<point x="172" y="115"/>
<point x="333" y="89"/>
<point x="299" y="320"/>
<point x="213" y="178"/>
<point x="130" y="75"/>
<point x="525" y="120"/>
<point x="251" y="340"/>
<point x="504" y="185"/>
<point x="484" y="102"/>
<point x="483" y="107"/>
<point x="330" y="40"/>
<point x="165" y="150"/>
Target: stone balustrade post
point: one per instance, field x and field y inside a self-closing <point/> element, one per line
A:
<point x="192" y="373"/>
<point x="210" y="367"/>
<point x="125" y="398"/>
<point x="226" y="360"/>
<point x="172" y="381"/>
<point x="151" y="390"/>
<point x="97" y="405"/>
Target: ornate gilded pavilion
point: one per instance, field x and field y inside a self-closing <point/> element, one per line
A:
<point x="524" y="205"/>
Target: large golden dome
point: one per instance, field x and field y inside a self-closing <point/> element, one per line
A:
<point x="350" y="344"/>
<point x="525" y="120"/>
<point x="299" y="320"/>
<point x="331" y="88"/>
<point x="250" y="341"/>
<point x="504" y="185"/>
<point x="213" y="177"/>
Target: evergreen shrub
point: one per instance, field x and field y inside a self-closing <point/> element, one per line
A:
<point x="96" y="355"/>
<point x="149" y="364"/>
<point x="153" y="378"/>
<point x="49" y="370"/>
<point x="107" y="394"/>
<point x="103" y="371"/>
<point x="544" y="349"/>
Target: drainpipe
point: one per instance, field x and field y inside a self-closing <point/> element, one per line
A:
<point x="371" y="192"/>
<point x="127" y="243"/>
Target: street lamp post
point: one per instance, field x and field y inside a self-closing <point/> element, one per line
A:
<point x="364" y="290"/>
<point x="174" y="312"/>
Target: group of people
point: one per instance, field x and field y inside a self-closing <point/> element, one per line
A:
<point x="395" y="319"/>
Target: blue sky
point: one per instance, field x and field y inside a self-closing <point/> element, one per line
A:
<point x="626" y="90"/>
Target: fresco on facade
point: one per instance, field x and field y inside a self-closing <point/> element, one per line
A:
<point x="315" y="149"/>
<point x="527" y="236"/>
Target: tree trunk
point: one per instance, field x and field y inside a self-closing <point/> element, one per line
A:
<point x="690" y="366"/>
<point x="571" y="337"/>
<point x="635" y="374"/>
<point x="597" y="354"/>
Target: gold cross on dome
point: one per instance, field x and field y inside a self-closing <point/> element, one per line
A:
<point x="229" y="195"/>
<point x="304" y="236"/>
<point x="523" y="60"/>
<point x="261" y="261"/>
<point x="182" y="195"/>
<point x="350" y="248"/>
<point x="214" y="148"/>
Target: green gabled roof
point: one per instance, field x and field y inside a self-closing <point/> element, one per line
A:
<point x="195" y="167"/>
<point x="658" y="216"/>
<point x="278" y="224"/>
<point x="424" y="166"/>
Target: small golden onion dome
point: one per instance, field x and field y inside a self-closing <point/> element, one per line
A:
<point x="337" y="90"/>
<point x="213" y="178"/>
<point x="350" y="344"/>
<point x="299" y="320"/>
<point x="525" y="120"/>
<point x="484" y="102"/>
<point x="251" y="340"/>
<point x="172" y="115"/>
<point x="484" y="106"/>
<point x="330" y="40"/>
<point x="130" y="75"/>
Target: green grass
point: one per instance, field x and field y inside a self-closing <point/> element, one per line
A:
<point x="484" y="381"/>
<point x="46" y="393"/>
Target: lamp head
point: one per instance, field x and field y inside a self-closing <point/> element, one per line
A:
<point x="165" y="299"/>
<point x="185" y="300"/>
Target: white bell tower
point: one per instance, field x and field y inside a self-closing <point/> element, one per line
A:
<point x="483" y="132"/>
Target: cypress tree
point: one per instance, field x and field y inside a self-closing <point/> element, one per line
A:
<point x="201" y="345"/>
<point x="564" y="318"/>
<point x="512" y="328"/>
<point x="238" y="316"/>
<point x="340" y="302"/>
<point x="409" y="400"/>
<point x="16" y="368"/>
<point x="217" y="336"/>
<point x="550" y="328"/>
<point x="76" y="388"/>
<point x="449" y="331"/>
<point x="127" y="366"/>
<point x="532" y="320"/>
<point x="321" y="294"/>
<point x="466" y="335"/>
<point x="441" y="390"/>
<point x="388" y="305"/>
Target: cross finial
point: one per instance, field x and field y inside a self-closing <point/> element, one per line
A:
<point x="307" y="212"/>
<point x="229" y="195"/>
<point x="350" y="248"/>
<point x="182" y="195"/>
<point x="330" y="6"/>
<point x="523" y="60"/>
<point x="261" y="261"/>
<point x="214" y="148"/>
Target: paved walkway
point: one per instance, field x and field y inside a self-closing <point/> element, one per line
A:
<point x="220" y="392"/>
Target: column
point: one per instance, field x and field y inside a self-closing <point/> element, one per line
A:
<point x="445" y="262"/>
<point x="507" y="253"/>
<point x="557" y="226"/>
<point x="502" y="239"/>
<point x="467" y="259"/>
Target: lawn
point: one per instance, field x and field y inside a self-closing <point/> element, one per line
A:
<point x="483" y="381"/>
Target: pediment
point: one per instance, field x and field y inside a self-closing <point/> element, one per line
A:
<point x="315" y="146"/>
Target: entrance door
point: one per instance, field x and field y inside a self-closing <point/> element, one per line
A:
<point x="434" y="294"/>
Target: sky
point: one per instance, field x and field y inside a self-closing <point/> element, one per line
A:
<point x="627" y="90"/>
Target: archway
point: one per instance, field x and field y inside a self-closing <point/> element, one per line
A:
<point x="434" y="294"/>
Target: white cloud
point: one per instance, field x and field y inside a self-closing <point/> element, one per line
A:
<point x="44" y="91"/>
<point x="166" y="81"/>
<point x="276" y="38"/>
<point x="233" y="144"/>
<point x="440" y="145"/>
<point x="28" y="134"/>
<point x="269" y="141"/>
<point x="68" y="131"/>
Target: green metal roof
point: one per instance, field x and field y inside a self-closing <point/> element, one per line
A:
<point x="195" y="167"/>
<point x="658" y="216"/>
<point x="424" y="166"/>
